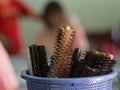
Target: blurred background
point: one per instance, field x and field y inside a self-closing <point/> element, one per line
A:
<point x="99" y="18"/>
<point x="94" y="15"/>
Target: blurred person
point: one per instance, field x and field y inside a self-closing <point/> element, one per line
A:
<point x="10" y="32"/>
<point x="8" y="79"/>
<point x="54" y="17"/>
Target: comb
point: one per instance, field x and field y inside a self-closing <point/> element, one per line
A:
<point x="43" y="64"/>
<point x="76" y="66"/>
<point x="29" y="63"/>
<point x="60" y="62"/>
<point x="37" y="61"/>
<point x="108" y="64"/>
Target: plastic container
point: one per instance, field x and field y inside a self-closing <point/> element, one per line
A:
<point x="103" y="82"/>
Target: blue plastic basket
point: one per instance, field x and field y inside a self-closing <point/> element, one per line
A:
<point x="103" y="82"/>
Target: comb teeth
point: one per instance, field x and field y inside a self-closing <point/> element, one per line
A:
<point x="60" y="63"/>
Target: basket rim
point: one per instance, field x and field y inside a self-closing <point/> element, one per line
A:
<point x="109" y="76"/>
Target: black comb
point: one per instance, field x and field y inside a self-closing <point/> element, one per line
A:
<point x="44" y="68"/>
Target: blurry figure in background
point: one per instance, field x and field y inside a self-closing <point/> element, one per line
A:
<point x="54" y="17"/>
<point x="8" y="79"/>
<point x="10" y="13"/>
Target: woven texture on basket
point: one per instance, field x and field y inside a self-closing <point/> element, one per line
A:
<point x="105" y="85"/>
<point x="103" y="82"/>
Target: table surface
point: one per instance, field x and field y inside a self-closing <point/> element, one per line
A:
<point x="20" y="64"/>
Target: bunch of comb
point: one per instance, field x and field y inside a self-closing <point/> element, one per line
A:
<point x="98" y="63"/>
<point x="60" y="61"/>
